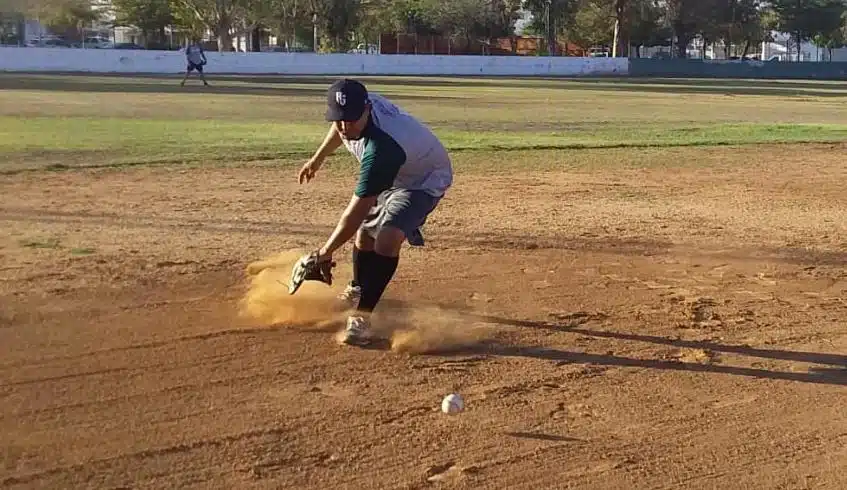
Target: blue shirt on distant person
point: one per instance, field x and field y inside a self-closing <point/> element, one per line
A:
<point x="194" y="54"/>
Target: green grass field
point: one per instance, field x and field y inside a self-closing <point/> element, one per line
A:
<point x="59" y="121"/>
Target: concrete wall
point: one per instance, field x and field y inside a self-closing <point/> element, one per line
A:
<point x="737" y="69"/>
<point x="143" y="61"/>
<point x="171" y="62"/>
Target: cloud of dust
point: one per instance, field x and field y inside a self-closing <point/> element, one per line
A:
<point x="267" y="300"/>
<point x="429" y="330"/>
<point x="411" y="328"/>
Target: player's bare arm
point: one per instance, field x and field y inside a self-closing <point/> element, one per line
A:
<point x="348" y="225"/>
<point x="331" y="142"/>
<point x="404" y="172"/>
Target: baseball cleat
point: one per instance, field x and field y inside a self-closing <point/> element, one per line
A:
<point x="351" y="295"/>
<point x="358" y="331"/>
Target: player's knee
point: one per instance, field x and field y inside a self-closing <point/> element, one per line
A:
<point x="389" y="241"/>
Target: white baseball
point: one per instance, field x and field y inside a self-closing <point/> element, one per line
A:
<point x="452" y="404"/>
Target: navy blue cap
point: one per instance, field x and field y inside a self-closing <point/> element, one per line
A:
<point x="346" y="100"/>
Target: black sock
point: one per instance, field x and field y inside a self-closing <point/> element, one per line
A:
<point x="361" y="262"/>
<point x="356" y="267"/>
<point x="378" y="274"/>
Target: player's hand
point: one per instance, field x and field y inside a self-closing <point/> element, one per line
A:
<point x="308" y="171"/>
<point x="322" y="255"/>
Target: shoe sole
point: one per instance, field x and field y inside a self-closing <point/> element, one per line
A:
<point x="354" y="340"/>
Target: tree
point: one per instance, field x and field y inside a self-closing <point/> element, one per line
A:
<point x="750" y="24"/>
<point x="620" y="42"/>
<point x="375" y="17"/>
<point x="834" y="39"/>
<point x="11" y="27"/>
<point x="501" y="20"/>
<point x="65" y="17"/>
<point x="151" y="17"/>
<point x="224" y="18"/>
<point x="593" y="24"/>
<point x="805" y="19"/>
<point x="646" y="25"/>
<point x="415" y="16"/>
<point x="603" y="22"/>
<point x="688" y="19"/>
<point x="336" y="19"/>
<point x="286" y="17"/>
<point x="460" y="19"/>
<point x="551" y="17"/>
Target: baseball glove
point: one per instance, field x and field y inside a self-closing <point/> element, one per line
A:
<point x="307" y="268"/>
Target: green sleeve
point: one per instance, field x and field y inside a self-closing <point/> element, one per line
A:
<point x="381" y="163"/>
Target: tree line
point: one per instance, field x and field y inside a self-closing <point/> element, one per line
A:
<point x="736" y="25"/>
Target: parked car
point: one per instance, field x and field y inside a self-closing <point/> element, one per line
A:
<point x="48" y="42"/>
<point x="96" y="42"/>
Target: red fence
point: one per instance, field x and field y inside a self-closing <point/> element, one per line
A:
<point x="434" y="44"/>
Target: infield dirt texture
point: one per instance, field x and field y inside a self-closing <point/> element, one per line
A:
<point x="633" y="284"/>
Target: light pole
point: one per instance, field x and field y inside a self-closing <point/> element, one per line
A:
<point x="550" y="40"/>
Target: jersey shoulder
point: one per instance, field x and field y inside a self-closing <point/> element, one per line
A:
<point x="381" y="161"/>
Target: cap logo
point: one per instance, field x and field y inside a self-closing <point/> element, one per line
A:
<point x="340" y="98"/>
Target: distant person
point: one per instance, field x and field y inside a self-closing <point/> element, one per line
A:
<point x="196" y="58"/>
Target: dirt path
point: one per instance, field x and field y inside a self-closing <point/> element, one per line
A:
<point x="656" y="327"/>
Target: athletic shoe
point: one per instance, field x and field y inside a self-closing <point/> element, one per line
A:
<point x="351" y="295"/>
<point x="358" y="331"/>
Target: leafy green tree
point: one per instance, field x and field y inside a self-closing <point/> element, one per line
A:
<point x="11" y="26"/>
<point x="687" y="19"/>
<point x="834" y="39"/>
<point x="593" y="24"/>
<point x="551" y="17"/>
<point x="749" y="24"/>
<point x="806" y="19"/>
<point x="151" y="17"/>
<point x="66" y="17"/>
<point x="646" y="25"/>
<point x="224" y="18"/>
<point x="336" y="20"/>
<point x="465" y="20"/>
<point x="499" y="18"/>
<point x="286" y="18"/>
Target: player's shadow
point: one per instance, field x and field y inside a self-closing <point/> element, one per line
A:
<point x="572" y="323"/>
<point x="828" y="376"/>
<point x="834" y="372"/>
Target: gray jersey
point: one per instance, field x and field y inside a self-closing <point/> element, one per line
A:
<point x="194" y="54"/>
<point x="397" y="150"/>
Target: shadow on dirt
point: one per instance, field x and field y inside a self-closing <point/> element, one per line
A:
<point x="542" y="437"/>
<point x="836" y="375"/>
<point x="830" y="376"/>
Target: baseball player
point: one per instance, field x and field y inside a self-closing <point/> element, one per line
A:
<point x="404" y="173"/>
<point x="195" y="57"/>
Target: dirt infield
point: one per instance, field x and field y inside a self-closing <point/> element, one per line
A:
<point x="678" y="323"/>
